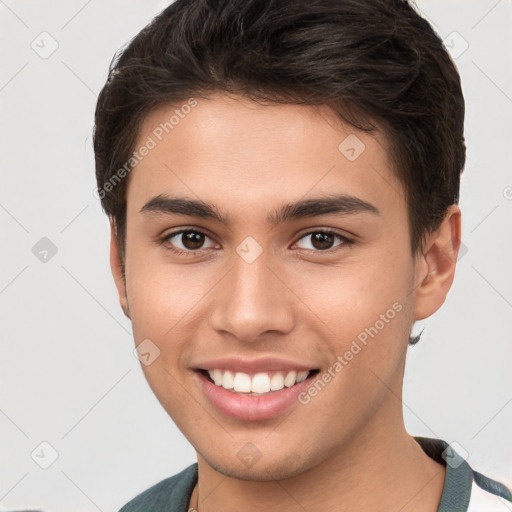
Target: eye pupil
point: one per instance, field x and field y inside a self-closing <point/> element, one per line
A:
<point x="192" y="240"/>
<point x="322" y="241"/>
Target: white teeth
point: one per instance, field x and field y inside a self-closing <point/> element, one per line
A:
<point x="290" y="379"/>
<point x="277" y="382"/>
<point x="217" y="377"/>
<point x="227" y="380"/>
<point x="241" y="382"/>
<point x="301" y="376"/>
<point x="260" y="383"/>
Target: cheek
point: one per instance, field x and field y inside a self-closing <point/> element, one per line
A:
<point x="161" y="300"/>
<point x="355" y="294"/>
<point x="366" y="310"/>
<point x="161" y="295"/>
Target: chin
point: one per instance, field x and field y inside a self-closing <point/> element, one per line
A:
<point x="276" y="468"/>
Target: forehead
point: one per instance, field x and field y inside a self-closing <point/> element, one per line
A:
<point x="233" y="149"/>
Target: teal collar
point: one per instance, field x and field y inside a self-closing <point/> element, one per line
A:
<point x="459" y="475"/>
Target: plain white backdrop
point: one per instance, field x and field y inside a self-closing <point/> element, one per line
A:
<point x="69" y="376"/>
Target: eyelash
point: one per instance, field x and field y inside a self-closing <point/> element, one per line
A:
<point x="179" y="252"/>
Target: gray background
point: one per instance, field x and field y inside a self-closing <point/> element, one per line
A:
<point x="69" y="377"/>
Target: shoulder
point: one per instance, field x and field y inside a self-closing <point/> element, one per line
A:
<point x="171" y="494"/>
<point x="465" y="489"/>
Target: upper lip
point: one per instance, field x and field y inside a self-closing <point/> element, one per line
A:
<point x="262" y="364"/>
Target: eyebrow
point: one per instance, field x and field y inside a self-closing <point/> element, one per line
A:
<point x="323" y="205"/>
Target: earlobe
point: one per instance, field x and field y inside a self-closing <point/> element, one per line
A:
<point x="117" y="268"/>
<point x="435" y="267"/>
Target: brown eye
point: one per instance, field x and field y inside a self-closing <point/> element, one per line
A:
<point x="187" y="241"/>
<point x="192" y="240"/>
<point x="323" y="240"/>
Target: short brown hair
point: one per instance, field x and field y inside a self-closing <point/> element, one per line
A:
<point x="374" y="62"/>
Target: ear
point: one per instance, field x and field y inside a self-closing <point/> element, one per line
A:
<point x="117" y="268"/>
<point x="435" y="265"/>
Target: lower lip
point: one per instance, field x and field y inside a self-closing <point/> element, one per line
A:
<point x="252" y="407"/>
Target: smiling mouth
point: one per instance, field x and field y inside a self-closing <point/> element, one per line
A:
<point x="257" y="384"/>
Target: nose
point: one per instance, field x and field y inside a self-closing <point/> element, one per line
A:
<point x="252" y="300"/>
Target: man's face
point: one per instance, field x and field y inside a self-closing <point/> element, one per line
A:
<point x="252" y="289"/>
